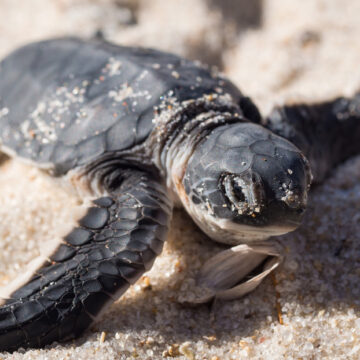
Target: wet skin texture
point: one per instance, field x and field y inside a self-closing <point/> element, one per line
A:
<point x="136" y="127"/>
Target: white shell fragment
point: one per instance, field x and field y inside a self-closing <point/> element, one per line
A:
<point x="226" y="275"/>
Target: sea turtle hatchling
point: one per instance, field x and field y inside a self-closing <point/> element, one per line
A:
<point x="135" y="131"/>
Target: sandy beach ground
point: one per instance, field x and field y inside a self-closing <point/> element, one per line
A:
<point x="275" y="51"/>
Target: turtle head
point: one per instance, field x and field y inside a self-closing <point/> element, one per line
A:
<point x="243" y="183"/>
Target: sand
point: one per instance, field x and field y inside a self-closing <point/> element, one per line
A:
<point x="275" y="51"/>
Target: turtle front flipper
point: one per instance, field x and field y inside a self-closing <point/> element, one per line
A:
<point x="115" y="243"/>
<point x="235" y="272"/>
<point x="327" y="133"/>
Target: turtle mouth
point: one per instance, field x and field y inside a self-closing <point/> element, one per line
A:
<point x="276" y="215"/>
<point x="244" y="229"/>
<point x="232" y="233"/>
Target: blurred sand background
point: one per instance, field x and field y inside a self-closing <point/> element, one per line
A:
<point x="275" y="51"/>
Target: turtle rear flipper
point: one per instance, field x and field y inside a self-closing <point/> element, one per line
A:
<point x="327" y="133"/>
<point x="116" y="242"/>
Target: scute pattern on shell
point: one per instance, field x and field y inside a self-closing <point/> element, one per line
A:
<point x="74" y="101"/>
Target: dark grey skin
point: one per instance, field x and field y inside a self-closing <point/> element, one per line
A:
<point x="137" y="130"/>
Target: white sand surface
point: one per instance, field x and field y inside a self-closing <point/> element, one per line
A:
<point x="275" y="51"/>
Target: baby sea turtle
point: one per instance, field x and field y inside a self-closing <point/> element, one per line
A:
<point x="135" y="131"/>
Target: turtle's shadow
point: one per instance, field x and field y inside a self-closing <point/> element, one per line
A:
<point x="318" y="275"/>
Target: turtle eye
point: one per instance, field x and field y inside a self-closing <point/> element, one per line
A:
<point x="244" y="192"/>
<point x="235" y="190"/>
<point x="238" y="192"/>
